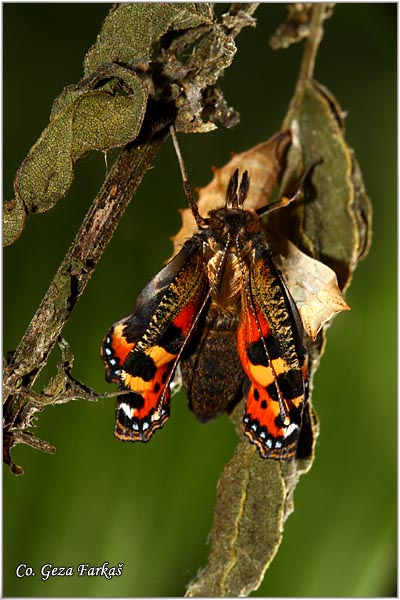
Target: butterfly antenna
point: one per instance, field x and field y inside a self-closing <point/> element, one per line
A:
<point x="231" y="191"/>
<point x="186" y="185"/>
<point x="244" y="188"/>
<point x="285" y="200"/>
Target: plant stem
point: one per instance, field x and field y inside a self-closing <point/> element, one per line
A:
<point x="312" y="42"/>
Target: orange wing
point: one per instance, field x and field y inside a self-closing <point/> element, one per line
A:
<point x="274" y="359"/>
<point x="140" y="352"/>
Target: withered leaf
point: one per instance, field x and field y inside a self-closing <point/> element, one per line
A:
<point x="295" y="27"/>
<point x="312" y="284"/>
<point x="130" y="30"/>
<point x="22" y="437"/>
<point x="171" y="70"/>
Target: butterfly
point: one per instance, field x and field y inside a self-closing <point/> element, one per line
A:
<point x="221" y="309"/>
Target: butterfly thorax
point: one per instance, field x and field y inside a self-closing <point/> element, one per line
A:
<point x="227" y="248"/>
<point x="233" y="222"/>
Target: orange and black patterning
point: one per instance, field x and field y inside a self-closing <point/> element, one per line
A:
<point x="221" y="309"/>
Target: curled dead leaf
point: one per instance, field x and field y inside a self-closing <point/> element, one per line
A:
<point x="312" y="284"/>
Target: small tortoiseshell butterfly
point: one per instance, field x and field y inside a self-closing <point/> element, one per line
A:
<point x="221" y="309"/>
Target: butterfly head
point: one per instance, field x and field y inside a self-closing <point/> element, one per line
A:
<point x="233" y="219"/>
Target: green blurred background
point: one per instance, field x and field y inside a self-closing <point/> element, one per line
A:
<point x="151" y="506"/>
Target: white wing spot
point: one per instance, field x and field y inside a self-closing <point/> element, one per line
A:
<point x="290" y="429"/>
<point x="127" y="409"/>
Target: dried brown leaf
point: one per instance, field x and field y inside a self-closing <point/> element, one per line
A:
<point x="312" y="284"/>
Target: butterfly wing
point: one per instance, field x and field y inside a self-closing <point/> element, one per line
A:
<point x="274" y="358"/>
<point x="140" y="351"/>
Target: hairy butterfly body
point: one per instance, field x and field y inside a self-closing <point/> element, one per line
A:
<point x="222" y="310"/>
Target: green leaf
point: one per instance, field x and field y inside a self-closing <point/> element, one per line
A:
<point x="254" y="498"/>
<point x="130" y="30"/>
<point x="242" y="547"/>
<point x="93" y="120"/>
<point x="338" y="241"/>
